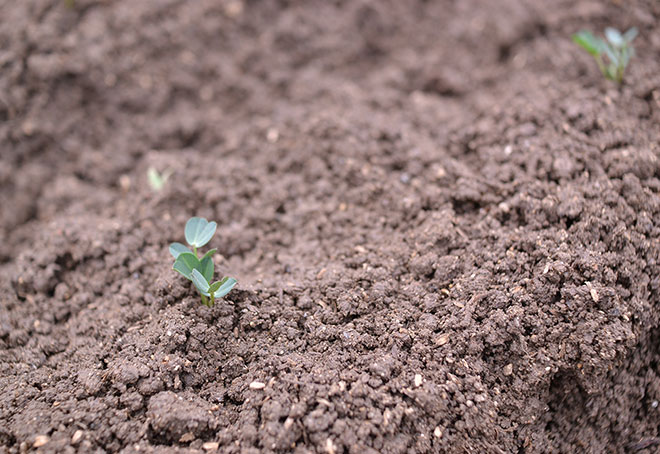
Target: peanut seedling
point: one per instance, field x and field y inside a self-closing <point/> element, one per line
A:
<point x="199" y="232"/>
<point x="618" y="49"/>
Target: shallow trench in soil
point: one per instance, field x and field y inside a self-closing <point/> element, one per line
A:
<point x="444" y="222"/>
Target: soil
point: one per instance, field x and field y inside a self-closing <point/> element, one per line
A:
<point x="444" y="222"/>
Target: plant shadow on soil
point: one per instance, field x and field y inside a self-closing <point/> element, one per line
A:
<point x="444" y="223"/>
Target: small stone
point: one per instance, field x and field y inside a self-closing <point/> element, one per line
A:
<point x="77" y="436"/>
<point x="125" y="183"/>
<point x="28" y="128"/>
<point x="40" y="440"/>
<point x="442" y="339"/>
<point x="272" y="135"/>
<point x="594" y="295"/>
<point x="330" y="447"/>
<point x="211" y="446"/>
<point x="418" y="380"/>
<point x="187" y="437"/>
<point x="437" y="433"/>
<point x="234" y="8"/>
<point x="508" y="369"/>
<point x="257" y="385"/>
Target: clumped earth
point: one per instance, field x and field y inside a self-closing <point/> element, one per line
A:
<point x="445" y="225"/>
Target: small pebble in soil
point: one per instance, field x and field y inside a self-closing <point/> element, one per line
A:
<point x="125" y="183"/>
<point x="330" y="446"/>
<point x="257" y="385"/>
<point x="654" y="404"/>
<point x="508" y="369"/>
<point x="211" y="446"/>
<point x="77" y="436"/>
<point x="40" y="440"/>
<point x="187" y="437"/>
<point x="272" y="135"/>
<point x="442" y="339"/>
<point x="418" y="380"/>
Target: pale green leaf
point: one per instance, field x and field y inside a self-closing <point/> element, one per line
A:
<point x="206" y="267"/>
<point x="228" y="283"/>
<point x="630" y="35"/>
<point x="185" y="263"/>
<point x="614" y="36"/>
<point x="177" y="249"/>
<point x="199" y="231"/>
<point x="200" y="282"/>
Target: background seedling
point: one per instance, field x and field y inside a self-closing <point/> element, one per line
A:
<point x="618" y="49"/>
<point x="198" y="232"/>
<point x="157" y="180"/>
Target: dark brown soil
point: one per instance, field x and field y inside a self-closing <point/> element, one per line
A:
<point x="445" y="225"/>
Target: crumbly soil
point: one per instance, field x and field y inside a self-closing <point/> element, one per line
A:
<point x="444" y="222"/>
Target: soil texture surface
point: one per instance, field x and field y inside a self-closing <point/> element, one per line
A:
<point x="444" y="222"/>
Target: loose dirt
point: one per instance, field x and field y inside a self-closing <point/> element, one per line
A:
<point x="445" y="225"/>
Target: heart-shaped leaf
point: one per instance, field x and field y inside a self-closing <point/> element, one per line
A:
<point x="185" y="263"/>
<point x="199" y="231"/>
<point x="226" y="284"/>
<point x="177" y="249"/>
<point x="200" y="282"/>
<point x="614" y="36"/>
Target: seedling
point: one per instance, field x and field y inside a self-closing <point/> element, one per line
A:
<point x="618" y="49"/>
<point x="198" y="232"/>
<point x="157" y="180"/>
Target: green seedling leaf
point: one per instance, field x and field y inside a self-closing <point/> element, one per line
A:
<point x="589" y="42"/>
<point x="215" y="286"/>
<point x="199" y="231"/>
<point x="200" y="282"/>
<point x="210" y="253"/>
<point x="630" y="35"/>
<point x="627" y="53"/>
<point x="157" y="180"/>
<point x="612" y="55"/>
<point x="182" y="268"/>
<point x="614" y="37"/>
<point x="206" y="268"/>
<point x="185" y="263"/>
<point x="177" y="249"/>
<point x="227" y="284"/>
